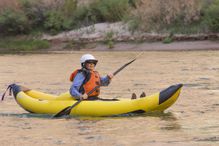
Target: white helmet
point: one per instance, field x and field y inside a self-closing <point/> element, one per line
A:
<point x="87" y="57"/>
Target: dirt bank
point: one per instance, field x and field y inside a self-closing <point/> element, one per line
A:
<point x="117" y="37"/>
<point x="144" y="46"/>
<point x="159" y="46"/>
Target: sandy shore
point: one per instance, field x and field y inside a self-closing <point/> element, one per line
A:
<point x="129" y="46"/>
<point x="159" y="46"/>
<point x="144" y="46"/>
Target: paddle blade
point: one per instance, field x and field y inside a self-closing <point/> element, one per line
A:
<point x="65" y="111"/>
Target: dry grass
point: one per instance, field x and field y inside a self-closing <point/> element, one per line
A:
<point x="163" y="12"/>
<point x="9" y="4"/>
<point x="15" y="3"/>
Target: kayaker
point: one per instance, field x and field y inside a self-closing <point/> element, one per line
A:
<point x="87" y="78"/>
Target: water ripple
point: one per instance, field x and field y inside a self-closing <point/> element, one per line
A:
<point x="211" y="139"/>
<point x="25" y="115"/>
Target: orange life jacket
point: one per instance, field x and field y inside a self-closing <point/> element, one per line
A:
<point x="90" y="83"/>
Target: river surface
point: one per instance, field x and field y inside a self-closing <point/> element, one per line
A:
<point x="192" y="121"/>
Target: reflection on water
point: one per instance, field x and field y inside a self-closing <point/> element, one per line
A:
<point x="192" y="120"/>
<point x="25" y="115"/>
<point x="210" y="139"/>
<point x="162" y="115"/>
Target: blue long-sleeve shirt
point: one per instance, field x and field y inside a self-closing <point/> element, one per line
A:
<point x="78" y="81"/>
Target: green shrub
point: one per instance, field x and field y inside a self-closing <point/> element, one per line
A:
<point x="86" y="15"/>
<point x="211" y="16"/>
<point x="133" y="24"/>
<point x="109" y="39"/>
<point x="54" y="21"/>
<point x="83" y="17"/>
<point x="34" y="11"/>
<point x="23" y="44"/>
<point x="113" y="10"/>
<point x="13" y="22"/>
<point x="61" y="17"/>
<point x="101" y="11"/>
<point x="69" y="7"/>
<point x="53" y="17"/>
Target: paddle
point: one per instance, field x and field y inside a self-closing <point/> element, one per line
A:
<point x="67" y="110"/>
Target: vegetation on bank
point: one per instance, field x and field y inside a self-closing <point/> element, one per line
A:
<point x="181" y="16"/>
<point x="13" y="44"/>
<point x="33" y="17"/>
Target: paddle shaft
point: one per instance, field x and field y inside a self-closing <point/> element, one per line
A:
<point x="66" y="111"/>
<point x="116" y="72"/>
<point x="122" y="67"/>
<point x="89" y="93"/>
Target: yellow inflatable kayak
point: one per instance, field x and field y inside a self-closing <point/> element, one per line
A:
<point x="41" y="103"/>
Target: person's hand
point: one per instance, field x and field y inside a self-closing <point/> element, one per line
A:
<point x="84" y="96"/>
<point x="110" y="76"/>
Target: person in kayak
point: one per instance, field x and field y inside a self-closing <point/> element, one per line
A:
<point x="86" y="79"/>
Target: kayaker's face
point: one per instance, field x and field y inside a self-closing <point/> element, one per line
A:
<point x="90" y="65"/>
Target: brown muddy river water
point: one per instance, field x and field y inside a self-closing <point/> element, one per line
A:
<point x="192" y="120"/>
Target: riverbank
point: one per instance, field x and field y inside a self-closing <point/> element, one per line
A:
<point x="118" y="37"/>
<point x="61" y="47"/>
<point x="143" y="46"/>
<point x="109" y="37"/>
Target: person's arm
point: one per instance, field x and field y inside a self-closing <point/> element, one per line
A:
<point x="77" y="82"/>
<point x="105" y="81"/>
